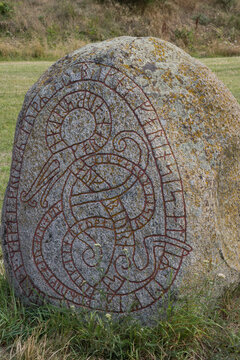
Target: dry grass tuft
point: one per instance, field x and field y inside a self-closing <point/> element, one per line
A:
<point x="39" y="348"/>
<point x="37" y="49"/>
<point x="225" y="49"/>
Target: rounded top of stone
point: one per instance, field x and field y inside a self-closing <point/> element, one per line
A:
<point x="147" y="58"/>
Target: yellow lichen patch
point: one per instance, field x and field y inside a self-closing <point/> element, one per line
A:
<point x="159" y="50"/>
<point x="228" y="207"/>
<point x="131" y="68"/>
<point x="167" y="77"/>
<point x="210" y="101"/>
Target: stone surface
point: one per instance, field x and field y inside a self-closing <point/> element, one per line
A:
<point x="125" y="180"/>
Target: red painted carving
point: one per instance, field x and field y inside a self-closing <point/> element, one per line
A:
<point x="77" y="161"/>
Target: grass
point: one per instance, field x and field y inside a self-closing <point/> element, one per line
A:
<point x="36" y="29"/>
<point x="190" y="332"/>
<point x="227" y="70"/>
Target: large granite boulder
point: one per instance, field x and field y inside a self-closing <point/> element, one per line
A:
<point x="125" y="180"/>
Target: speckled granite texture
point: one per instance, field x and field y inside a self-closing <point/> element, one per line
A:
<point x="125" y="180"/>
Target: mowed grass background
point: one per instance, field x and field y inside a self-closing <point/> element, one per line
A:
<point x="31" y="333"/>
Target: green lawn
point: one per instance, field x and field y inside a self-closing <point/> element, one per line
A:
<point x="227" y="70"/>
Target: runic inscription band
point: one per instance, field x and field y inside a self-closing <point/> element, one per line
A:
<point x="105" y="196"/>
